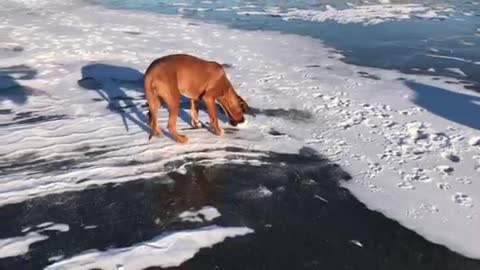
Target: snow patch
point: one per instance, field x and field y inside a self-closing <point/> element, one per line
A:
<point x="207" y="213"/>
<point x="356" y="242"/>
<point x="363" y="14"/>
<point x="457" y="71"/>
<point x="57" y="227"/>
<point x="166" y="250"/>
<point x="16" y="246"/>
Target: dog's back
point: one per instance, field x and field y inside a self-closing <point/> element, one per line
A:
<point x="188" y="74"/>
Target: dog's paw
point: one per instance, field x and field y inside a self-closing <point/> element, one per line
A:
<point x="157" y="133"/>
<point x="196" y="124"/>
<point x="181" y="139"/>
<point x="220" y="132"/>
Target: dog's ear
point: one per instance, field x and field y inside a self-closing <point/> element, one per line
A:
<point x="243" y="104"/>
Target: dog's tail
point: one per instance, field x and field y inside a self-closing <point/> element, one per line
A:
<point x="151" y="98"/>
<point x="147" y="83"/>
<point x="148" y="87"/>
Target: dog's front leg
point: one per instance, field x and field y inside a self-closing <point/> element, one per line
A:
<point x="194" y="113"/>
<point x="212" y="113"/>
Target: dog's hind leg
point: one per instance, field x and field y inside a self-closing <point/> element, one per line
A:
<point x="173" y="103"/>
<point x="153" y="104"/>
<point x="152" y="118"/>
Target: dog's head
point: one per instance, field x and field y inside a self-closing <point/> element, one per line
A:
<point x="234" y="106"/>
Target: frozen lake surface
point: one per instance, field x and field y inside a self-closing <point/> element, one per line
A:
<point x="362" y="150"/>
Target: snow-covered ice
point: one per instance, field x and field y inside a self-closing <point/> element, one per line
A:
<point x="364" y="14"/>
<point x="72" y="116"/>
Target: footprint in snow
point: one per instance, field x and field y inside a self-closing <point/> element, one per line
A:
<point x="462" y="199"/>
<point x="444" y="186"/>
<point x="450" y="156"/>
<point x="406" y="185"/>
<point x="445" y="169"/>
<point x="465" y="181"/>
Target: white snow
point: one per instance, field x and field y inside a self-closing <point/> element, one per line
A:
<point x="320" y="198"/>
<point x="363" y="14"/>
<point x="389" y="134"/>
<point x="57" y="227"/>
<point x="166" y="250"/>
<point x="459" y="59"/>
<point x="206" y="213"/>
<point x="356" y="242"/>
<point x="45" y="224"/>
<point x="457" y="71"/>
<point x="56" y="258"/>
<point x="19" y="245"/>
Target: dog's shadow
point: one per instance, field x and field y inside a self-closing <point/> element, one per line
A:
<point x="184" y="113"/>
<point x="10" y="86"/>
<point x="287" y="114"/>
<point x="112" y="83"/>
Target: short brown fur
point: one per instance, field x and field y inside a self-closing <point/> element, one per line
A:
<point x="171" y="76"/>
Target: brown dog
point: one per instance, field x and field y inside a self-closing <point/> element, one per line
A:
<point x="171" y="76"/>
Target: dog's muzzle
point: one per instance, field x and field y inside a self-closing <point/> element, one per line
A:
<point x="235" y="123"/>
